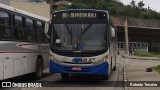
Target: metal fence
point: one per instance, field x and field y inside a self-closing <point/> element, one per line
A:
<point x="141" y="46"/>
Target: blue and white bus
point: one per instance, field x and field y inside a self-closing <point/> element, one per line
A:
<point x="83" y="41"/>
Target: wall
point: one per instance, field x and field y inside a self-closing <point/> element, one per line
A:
<point x="6" y="2"/>
<point x="41" y="9"/>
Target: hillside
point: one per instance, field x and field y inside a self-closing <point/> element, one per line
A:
<point x="115" y="8"/>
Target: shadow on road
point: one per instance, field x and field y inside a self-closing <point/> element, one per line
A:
<point x="25" y="78"/>
<point x="80" y="81"/>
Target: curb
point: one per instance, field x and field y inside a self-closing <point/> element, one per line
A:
<point x="141" y="58"/>
<point x="125" y="79"/>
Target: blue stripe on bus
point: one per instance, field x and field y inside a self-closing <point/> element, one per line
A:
<point x="101" y="69"/>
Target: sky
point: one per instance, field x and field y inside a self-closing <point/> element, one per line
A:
<point x="153" y="4"/>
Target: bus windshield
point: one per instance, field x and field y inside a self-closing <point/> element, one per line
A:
<point x="81" y="37"/>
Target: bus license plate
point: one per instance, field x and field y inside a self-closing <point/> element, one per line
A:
<point x="76" y="68"/>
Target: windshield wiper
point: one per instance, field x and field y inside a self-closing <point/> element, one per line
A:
<point x="79" y="43"/>
<point x="69" y="31"/>
<point x="86" y="29"/>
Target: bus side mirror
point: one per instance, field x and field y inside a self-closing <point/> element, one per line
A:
<point x="46" y="28"/>
<point x="113" y="33"/>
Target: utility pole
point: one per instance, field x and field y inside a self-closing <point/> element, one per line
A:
<point x="126" y="35"/>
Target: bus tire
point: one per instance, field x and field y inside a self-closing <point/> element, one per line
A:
<point x="114" y="68"/>
<point x="64" y="76"/>
<point x="105" y="77"/>
<point x="39" y="69"/>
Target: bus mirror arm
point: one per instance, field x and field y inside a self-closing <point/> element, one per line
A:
<point x="113" y="33"/>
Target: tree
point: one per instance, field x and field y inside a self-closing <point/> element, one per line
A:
<point x="140" y="5"/>
<point x="48" y="1"/>
<point x="133" y="4"/>
<point x="148" y="7"/>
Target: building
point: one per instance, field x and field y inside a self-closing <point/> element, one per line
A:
<point x="141" y="31"/>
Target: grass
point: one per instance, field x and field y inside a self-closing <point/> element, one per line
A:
<point x="146" y="54"/>
<point x="156" y="68"/>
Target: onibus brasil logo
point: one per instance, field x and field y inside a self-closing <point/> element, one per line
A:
<point x="13" y="84"/>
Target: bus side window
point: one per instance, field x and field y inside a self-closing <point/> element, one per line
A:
<point x="5" y="31"/>
<point x="18" y="28"/>
<point x="30" y="30"/>
<point x="39" y="31"/>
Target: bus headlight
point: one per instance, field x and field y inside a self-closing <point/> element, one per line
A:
<point x="54" y="59"/>
<point x="104" y="59"/>
<point x="51" y="57"/>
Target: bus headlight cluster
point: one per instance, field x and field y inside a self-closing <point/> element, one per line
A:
<point x="98" y="62"/>
<point x="51" y="57"/>
<point x="104" y="59"/>
<point x="55" y="60"/>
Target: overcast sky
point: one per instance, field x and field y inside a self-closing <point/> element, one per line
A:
<point x="153" y="4"/>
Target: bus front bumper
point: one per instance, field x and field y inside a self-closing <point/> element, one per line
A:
<point x="101" y="69"/>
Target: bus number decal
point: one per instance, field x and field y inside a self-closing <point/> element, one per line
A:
<point x="85" y="60"/>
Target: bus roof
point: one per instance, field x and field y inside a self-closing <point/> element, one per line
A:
<point x="22" y="12"/>
<point x="93" y="10"/>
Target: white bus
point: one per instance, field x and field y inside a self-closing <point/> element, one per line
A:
<point x="23" y="45"/>
<point x="83" y="41"/>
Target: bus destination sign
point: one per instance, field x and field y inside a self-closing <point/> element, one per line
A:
<point x="79" y="15"/>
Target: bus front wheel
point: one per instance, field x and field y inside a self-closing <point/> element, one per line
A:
<point x="64" y="76"/>
<point x="114" y="68"/>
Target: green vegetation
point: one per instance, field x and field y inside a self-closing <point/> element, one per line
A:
<point x="115" y="8"/>
<point x="156" y="68"/>
<point x="146" y="54"/>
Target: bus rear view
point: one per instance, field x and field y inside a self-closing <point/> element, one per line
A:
<point x="80" y="43"/>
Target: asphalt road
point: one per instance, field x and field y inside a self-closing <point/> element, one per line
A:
<point x="75" y="82"/>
